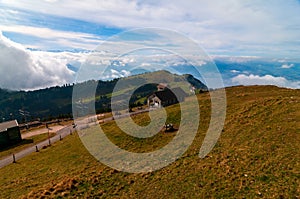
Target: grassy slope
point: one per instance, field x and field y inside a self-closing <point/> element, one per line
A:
<point x="24" y="144"/>
<point x="257" y="155"/>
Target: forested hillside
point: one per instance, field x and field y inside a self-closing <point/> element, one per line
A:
<point x="56" y="102"/>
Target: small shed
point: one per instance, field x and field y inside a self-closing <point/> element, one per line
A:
<point x="9" y="133"/>
<point x="166" y="97"/>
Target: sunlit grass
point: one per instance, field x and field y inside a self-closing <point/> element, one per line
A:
<point x="257" y="155"/>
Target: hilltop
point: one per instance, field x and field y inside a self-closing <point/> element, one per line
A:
<point x="256" y="156"/>
<point x="56" y="102"/>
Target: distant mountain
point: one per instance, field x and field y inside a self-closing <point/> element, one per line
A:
<point x="195" y="82"/>
<point x="138" y="71"/>
<point x="56" y="101"/>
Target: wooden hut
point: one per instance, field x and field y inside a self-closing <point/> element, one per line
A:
<point x="9" y="133"/>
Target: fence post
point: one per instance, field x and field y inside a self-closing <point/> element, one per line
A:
<point x="36" y="148"/>
<point x="14" y="158"/>
<point x="60" y="137"/>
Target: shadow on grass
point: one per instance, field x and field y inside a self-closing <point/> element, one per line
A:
<point x="23" y="142"/>
<point x="170" y="130"/>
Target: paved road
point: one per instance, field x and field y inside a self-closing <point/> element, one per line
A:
<point x="59" y="134"/>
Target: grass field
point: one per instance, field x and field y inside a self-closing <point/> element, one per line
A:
<point x="257" y="156"/>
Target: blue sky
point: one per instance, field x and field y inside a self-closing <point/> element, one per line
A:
<point x="40" y="39"/>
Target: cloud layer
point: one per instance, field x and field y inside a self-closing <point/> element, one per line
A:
<point x="24" y="69"/>
<point x="224" y="27"/>
<point x="251" y="79"/>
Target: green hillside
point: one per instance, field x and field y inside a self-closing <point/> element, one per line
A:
<point x="56" y="102"/>
<point x="257" y="156"/>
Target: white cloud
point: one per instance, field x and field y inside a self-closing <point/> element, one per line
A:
<point x="242" y="26"/>
<point x="55" y="37"/>
<point x="280" y="60"/>
<point x="264" y="80"/>
<point x="24" y="69"/>
<point x="118" y="74"/>
<point x="236" y="59"/>
<point x="51" y="1"/>
<point x="234" y="71"/>
<point x="146" y="64"/>
<point x="287" y="66"/>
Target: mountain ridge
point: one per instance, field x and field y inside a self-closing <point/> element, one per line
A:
<point x="56" y="102"/>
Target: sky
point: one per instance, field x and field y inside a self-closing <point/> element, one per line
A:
<point x="43" y="43"/>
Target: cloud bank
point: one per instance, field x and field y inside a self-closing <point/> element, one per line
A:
<point x="251" y="79"/>
<point x="24" y="69"/>
<point x="287" y="66"/>
<point x="249" y="27"/>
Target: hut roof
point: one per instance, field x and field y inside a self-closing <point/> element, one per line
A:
<point x="9" y="124"/>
